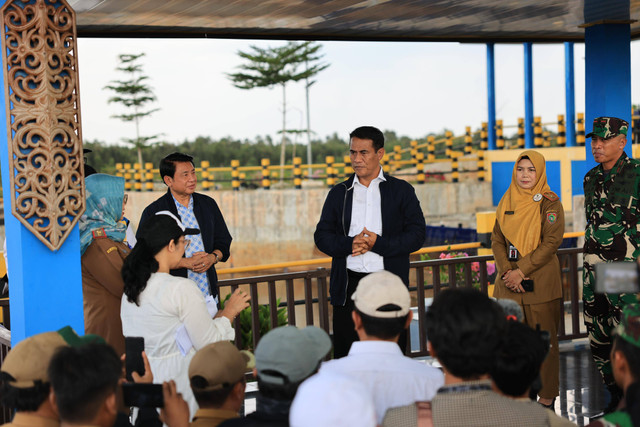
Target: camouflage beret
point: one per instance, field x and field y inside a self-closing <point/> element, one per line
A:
<point x="608" y="127"/>
<point x="629" y="327"/>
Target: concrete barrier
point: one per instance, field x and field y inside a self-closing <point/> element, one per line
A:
<point x="278" y="225"/>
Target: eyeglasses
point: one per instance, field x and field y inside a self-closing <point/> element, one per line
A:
<point x="125" y="198"/>
<point x="187" y="242"/>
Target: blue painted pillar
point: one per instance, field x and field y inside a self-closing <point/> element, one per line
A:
<point x="607" y="87"/>
<point x="528" y="95"/>
<point x="45" y="286"/>
<point x="570" y="96"/>
<point x="491" y="96"/>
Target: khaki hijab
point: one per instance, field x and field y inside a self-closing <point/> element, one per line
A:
<point x="523" y="227"/>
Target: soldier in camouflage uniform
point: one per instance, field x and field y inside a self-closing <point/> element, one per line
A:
<point x="611" y="192"/>
<point x="625" y="358"/>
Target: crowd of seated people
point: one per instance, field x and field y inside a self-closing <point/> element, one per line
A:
<point x="489" y="365"/>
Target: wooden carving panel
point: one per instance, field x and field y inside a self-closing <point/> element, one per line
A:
<point x="43" y="117"/>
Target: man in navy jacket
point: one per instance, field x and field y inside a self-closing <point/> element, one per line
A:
<point x="179" y="174"/>
<point x="370" y="222"/>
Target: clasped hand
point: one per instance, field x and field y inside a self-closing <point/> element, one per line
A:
<point x="363" y="242"/>
<point x="513" y="280"/>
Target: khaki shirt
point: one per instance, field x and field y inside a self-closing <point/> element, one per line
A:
<point x="211" y="417"/>
<point x="541" y="264"/>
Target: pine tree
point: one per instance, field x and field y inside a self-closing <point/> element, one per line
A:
<point x="277" y="66"/>
<point x="134" y="94"/>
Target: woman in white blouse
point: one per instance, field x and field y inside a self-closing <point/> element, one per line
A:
<point x="169" y="312"/>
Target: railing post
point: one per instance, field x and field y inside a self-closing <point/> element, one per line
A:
<point x="467" y="140"/>
<point x="235" y="175"/>
<point x="499" y="135"/>
<point x="397" y="157"/>
<point x="414" y="152"/>
<point x="481" y="170"/>
<point x="137" y="177"/>
<point x="420" y="167"/>
<point x="331" y="181"/>
<point x="127" y="177"/>
<point x="520" y="132"/>
<point x="266" y="182"/>
<point x="206" y="183"/>
<point x="431" y="148"/>
<point x="562" y="138"/>
<point x="297" y="172"/>
<point x="148" y="173"/>
<point x="484" y="136"/>
<point x="537" y="131"/>
<point x="580" y="139"/>
<point x="449" y="142"/>
<point x="455" y="175"/>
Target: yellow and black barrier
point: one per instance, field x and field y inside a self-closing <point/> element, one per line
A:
<point x="499" y="135"/>
<point x="580" y="139"/>
<point x="266" y="182"/>
<point x="297" y="172"/>
<point x="235" y="175"/>
<point x="562" y="131"/>
<point x="537" y="132"/>
<point x="520" y="143"/>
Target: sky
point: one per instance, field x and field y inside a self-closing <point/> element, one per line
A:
<point x="411" y="88"/>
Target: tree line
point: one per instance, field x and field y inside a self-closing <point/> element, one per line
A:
<point x="220" y="152"/>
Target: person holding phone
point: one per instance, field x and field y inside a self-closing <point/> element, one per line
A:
<point x="525" y="240"/>
<point x="169" y="312"/>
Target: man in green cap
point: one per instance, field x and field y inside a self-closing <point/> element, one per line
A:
<point x="625" y="361"/>
<point x="611" y="199"/>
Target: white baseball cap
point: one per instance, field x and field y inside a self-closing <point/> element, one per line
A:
<point x="382" y="294"/>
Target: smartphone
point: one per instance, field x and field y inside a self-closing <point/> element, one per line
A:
<point x="142" y="395"/>
<point x="133" y="361"/>
<point x="617" y="277"/>
<point x="527" y="285"/>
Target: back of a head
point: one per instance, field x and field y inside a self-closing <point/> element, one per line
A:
<point x="82" y="378"/>
<point x="215" y="370"/>
<point x="369" y="132"/>
<point x="24" y="381"/>
<point x="383" y="303"/>
<point x="518" y="362"/>
<point x="286" y="356"/>
<point x="168" y="163"/>
<point x="465" y="329"/>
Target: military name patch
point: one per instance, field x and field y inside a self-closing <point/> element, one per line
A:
<point x="552" y="217"/>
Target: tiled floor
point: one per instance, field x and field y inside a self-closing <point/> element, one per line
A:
<point x="582" y="393"/>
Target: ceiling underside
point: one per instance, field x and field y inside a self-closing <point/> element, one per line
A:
<point x="476" y="21"/>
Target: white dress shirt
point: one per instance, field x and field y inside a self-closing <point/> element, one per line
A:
<point x="366" y="212"/>
<point x="391" y="377"/>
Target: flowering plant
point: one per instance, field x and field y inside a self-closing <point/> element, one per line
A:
<point x="459" y="269"/>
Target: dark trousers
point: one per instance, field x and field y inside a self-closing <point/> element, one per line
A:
<point x="344" y="333"/>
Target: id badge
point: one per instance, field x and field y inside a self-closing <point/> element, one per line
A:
<point x="513" y="253"/>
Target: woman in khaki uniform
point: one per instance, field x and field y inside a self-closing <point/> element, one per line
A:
<point x="528" y="231"/>
<point x="103" y="253"/>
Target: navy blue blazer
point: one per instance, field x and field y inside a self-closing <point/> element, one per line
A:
<point x="214" y="231"/>
<point x="403" y="231"/>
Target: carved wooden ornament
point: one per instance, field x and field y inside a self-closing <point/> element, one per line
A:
<point x="43" y="117"/>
